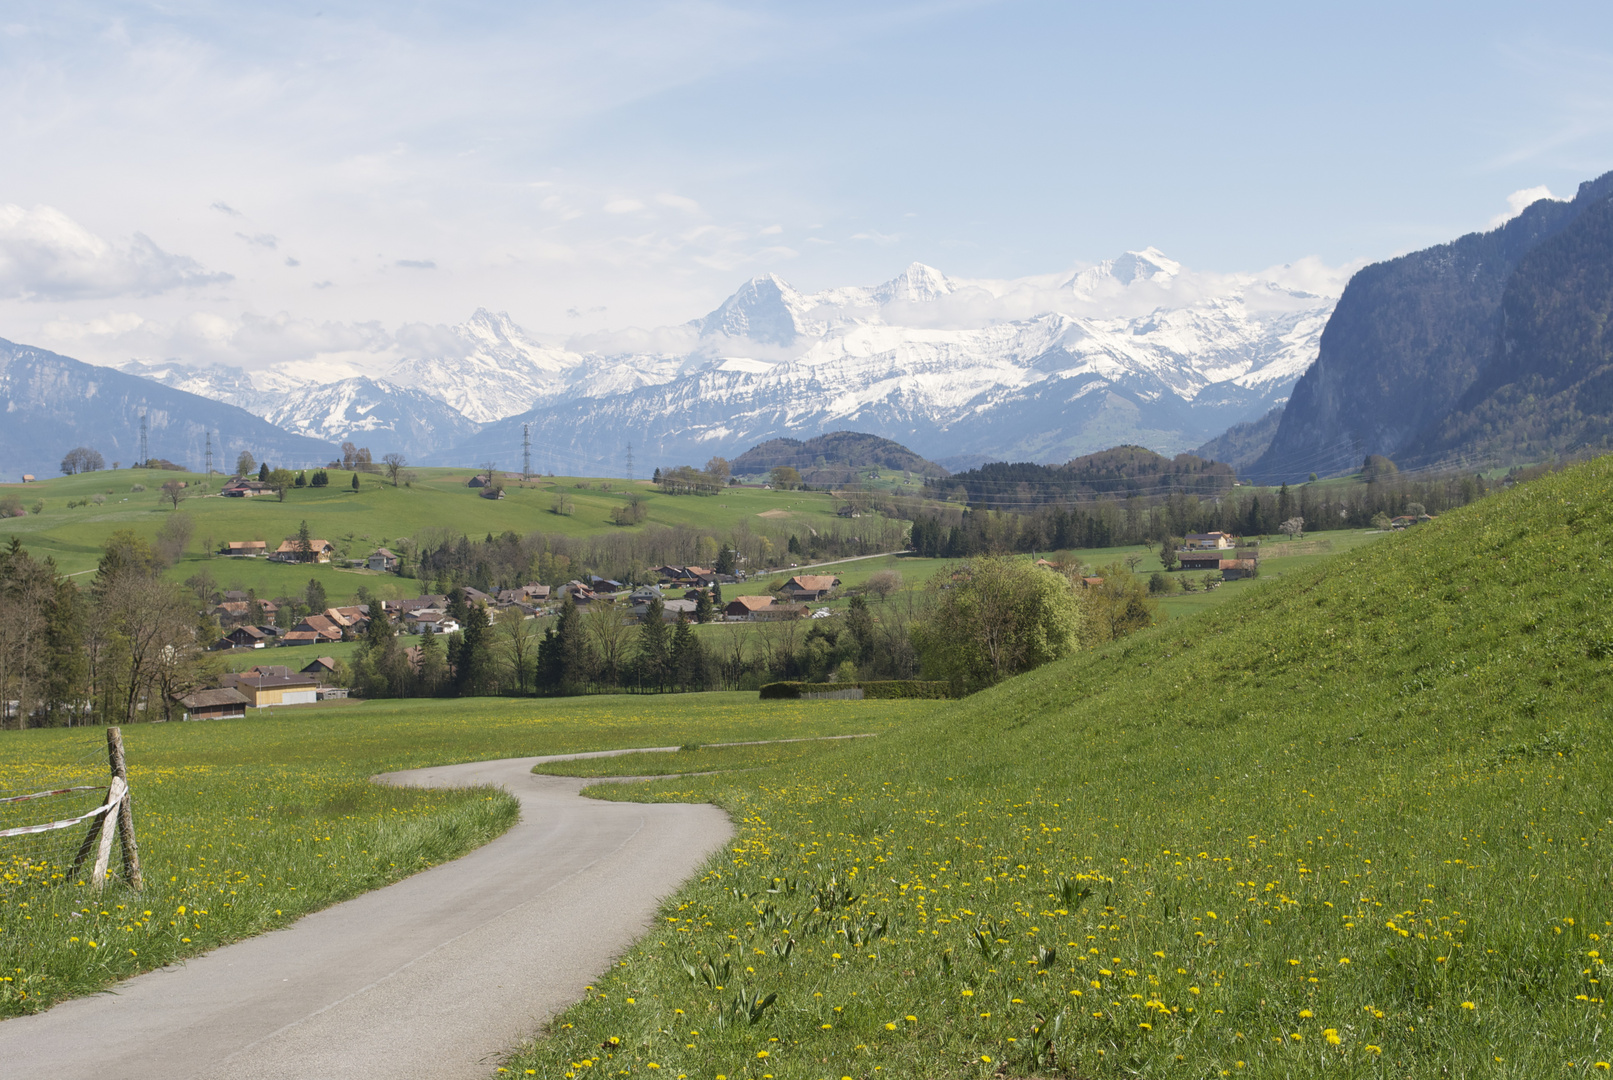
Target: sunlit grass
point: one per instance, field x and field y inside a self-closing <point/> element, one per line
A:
<point x="1353" y="823"/>
<point x="245" y="825"/>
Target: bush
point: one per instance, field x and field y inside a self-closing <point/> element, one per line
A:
<point x="882" y="688"/>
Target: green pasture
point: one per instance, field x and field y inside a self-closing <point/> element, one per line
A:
<point x="358" y="522"/>
<point x="245" y="825"/>
<point x="1353" y="821"/>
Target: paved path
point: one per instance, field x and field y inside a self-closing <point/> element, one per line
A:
<point x="432" y="977"/>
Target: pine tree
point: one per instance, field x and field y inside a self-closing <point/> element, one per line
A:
<point x="263" y="473"/>
<point x="687" y="659"/>
<point x="474" y="662"/>
<point x="702" y="607"/>
<point x="355" y="481"/>
<point x="653" y="654"/>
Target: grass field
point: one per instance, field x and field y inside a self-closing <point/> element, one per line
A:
<point x="245" y="825"/>
<point x="1352" y="822"/>
<point x="358" y="522"/>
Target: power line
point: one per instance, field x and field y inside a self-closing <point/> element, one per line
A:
<point x="526" y="451"/>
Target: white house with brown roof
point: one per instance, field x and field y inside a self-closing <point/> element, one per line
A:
<point x="290" y="551"/>
<point x="804" y="587"/>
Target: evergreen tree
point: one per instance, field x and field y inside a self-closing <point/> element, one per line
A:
<point x="355" y="481"/>
<point x="716" y="596"/>
<point x="702" y="607"/>
<point x="431" y="671"/>
<point x="314" y="596"/>
<point x="474" y="667"/>
<point x="305" y="543"/>
<point x="654" y="656"/>
<point x="263" y="472"/>
<point x="687" y="658"/>
<point x="458" y="606"/>
<point x="860" y="624"/>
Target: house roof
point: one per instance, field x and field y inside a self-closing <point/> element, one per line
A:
<point x="289" y="546"/>
<point x="812" y="582"/>
<point x="203" y="699"/>
<point x="236" y="545"/>
<point x="387" y="553"/>
<point x="324" y="663"/>
<point x="752" y="603"/>
<point x="276" y="682"/>
<point x="246" y="631"/>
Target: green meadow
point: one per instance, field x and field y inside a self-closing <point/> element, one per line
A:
<point x="358" y="522"/>
<point x="245" y="825"/>
<point x="1353" y="821"/>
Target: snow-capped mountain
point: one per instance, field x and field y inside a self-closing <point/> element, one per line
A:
<point x="370" y="412"/>
<point x="952" y="369"/>
<point x="489" y="368"/>
<point x="1135" y="349"/>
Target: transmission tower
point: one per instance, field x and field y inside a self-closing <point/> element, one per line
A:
<point x="526" y="451"/>
<point x="209" y="472"/>
<point x="630" y="462"/>
<point x="145" y="451"/>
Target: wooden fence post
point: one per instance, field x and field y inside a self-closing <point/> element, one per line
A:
<point x="131" y="852"/>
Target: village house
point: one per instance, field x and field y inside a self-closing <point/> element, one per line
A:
<point x="225" y="703"/>
<point x="384" y="561"/>
<point x="249" y="549"/>
<point x="671" y="609"/>
<point x="289" y="551"/>
<point x="745" y="608"/>
<point x="237" y="610"/>
<point x="243" y="637"/>
<point x="28" y="478"/>
<point x="314" y="630"/>
<point x="807" y="587"/>
<point x="1209" y="559"/>
<point x="1218" y="541"/>
<point x="476" y="482"/>
<point x="321" y="669"/>
<point x="242" y="488"/>
<point x="434" y="619"/>
<point x="1235" y="569"/>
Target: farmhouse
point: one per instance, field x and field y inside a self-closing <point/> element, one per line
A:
<point x="811" y="586"/>
<point x="746" y="608"/>
<point x="243" y="637"/>
<point x="1209" y="559"/>
<point x="240" y="609"/>
<point x="225" y="703"/>
<point x="28" y="478"/>
<point x="250" y="549"/>
<point x="1211" y="541"/>
<point x="241" y="488"/>
<point x="672" y="609"/>
<point x="384" y="561"/>
<point x="289" y="551"/>
<point x="321" y="669"/>
<point x="1234" y="569"/>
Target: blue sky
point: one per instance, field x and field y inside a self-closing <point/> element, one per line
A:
<point x="208" y="181"/>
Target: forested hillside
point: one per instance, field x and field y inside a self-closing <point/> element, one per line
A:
<point x="834" y="458"/>
<point x="1548" y="388"/>
<point x="1119" y="473"/>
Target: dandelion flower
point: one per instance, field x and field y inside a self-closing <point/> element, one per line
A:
<point x="1468" y="1005"/>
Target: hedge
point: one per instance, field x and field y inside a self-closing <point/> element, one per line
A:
<point x="886" y="688"/>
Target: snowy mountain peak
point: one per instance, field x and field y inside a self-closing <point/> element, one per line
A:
<point x="765" y="309"/>
<point x="917" y="284"/>
<point x="1134" y="267"/>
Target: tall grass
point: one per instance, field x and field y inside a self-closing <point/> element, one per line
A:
<point x="1354" y="823"/>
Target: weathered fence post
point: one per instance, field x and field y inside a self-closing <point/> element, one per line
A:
<point x="131" y="852"/>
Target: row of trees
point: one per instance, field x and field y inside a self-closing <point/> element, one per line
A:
<point x="984" y="621"/>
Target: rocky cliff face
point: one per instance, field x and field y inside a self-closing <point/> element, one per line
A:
<point x="1406" y="341"/>
<point x="1548" y="386"/>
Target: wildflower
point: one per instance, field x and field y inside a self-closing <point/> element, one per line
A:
<point x="1332" y="1036"/>
<point x="1468" y="1005"/>
<point x="1369" y="1048"/>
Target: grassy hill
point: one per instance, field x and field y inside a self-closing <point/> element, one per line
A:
<point x="358" y="522"/>
<point x="1355" y="822"/>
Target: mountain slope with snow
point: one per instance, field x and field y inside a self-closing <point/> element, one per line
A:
<point x="1135" y="349"/>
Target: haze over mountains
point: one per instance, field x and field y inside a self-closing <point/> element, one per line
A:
<point x="1135" y="349"/>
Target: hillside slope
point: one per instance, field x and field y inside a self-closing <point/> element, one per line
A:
<point x="1353" y="823"/>
<point x="846" y="450"/>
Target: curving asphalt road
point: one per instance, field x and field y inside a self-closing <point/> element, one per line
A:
<point x="435" y="976"/>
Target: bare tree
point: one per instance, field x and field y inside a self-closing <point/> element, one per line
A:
<point x="1133" y="561"/>
<point x="519" y="637"/>
<point x="394" y="465"/>
<point x="174" y="492"/>
<point x="151" y="634"/>
<point x="885" y="582"/>
<point x="173" y="537"/>
<point x="612" y="636"/>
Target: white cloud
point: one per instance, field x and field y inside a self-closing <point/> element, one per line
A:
<point x="678" y="202"/>
<point x="623" y="206"/>
<point x="249" y="341"/>
<point x="46" y="255"/>
<point x="1519" y="201"/>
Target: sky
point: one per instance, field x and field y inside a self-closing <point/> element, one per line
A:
<point x="250" y="184"/>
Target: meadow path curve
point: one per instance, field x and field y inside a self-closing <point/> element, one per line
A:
<point x="435" y="976"/>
